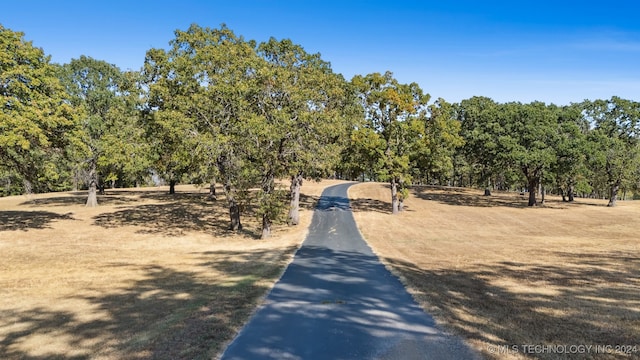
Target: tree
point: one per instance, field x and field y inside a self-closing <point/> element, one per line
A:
<point x="481" y="130"/>
<point x="35" y="120"/>
<point x="615" y="139"/>
<point x="301" y="113"/>
<point x="530" y="131"/>
<point x="199" y="94"/>
<point x="96" y="88"/>
<point x="127" y="157"/>
<point x="360" y="158"/>
<point x="570" y="170"/>
<point x="169" y="127"/>
<point x="388" y="105"/>
<point x="437" y="138"/>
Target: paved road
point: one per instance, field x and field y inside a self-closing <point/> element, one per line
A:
<point x="337" y="301"/>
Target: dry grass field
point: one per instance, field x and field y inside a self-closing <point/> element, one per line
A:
<point x="145" y="275"/>
<point x="501" y="274"/>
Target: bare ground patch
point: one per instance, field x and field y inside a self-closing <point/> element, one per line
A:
<point x="502" y="274"/>
<point x="145" y="275"/>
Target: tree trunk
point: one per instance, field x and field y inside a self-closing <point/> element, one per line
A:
<point x="234" y="209"/>
<point x="294" y="207"/>
<point x="533" y="186"/>
<point x="564" y="197"/>
<point x="401" y="196"/>
<point x="172" y="186"/>
<point x="539" y="189"/>
<point x="76" y="181"/>
<point x="268" y="184"/>
<point x="28" y="190"/>
<point x="212" y="190"/>
<point x="28" y="187"/>
<point x="92" y="199"/>
<point x="570" y="193"/>
<point x="266" y="227"/>
<point x="543" y="192"/>
<point x="613" y="194"/>
<point x="229" y="192"/>
<point x="394" y="196"/>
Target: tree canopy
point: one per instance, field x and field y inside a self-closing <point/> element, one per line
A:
<point x="216" y="107"/>
<point x="251" y="112"/>
<point x="35" y="117"/>
<point x="108" y="139"/>
<point x="390" y="109"/>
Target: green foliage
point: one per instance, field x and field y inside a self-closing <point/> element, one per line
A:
<point x="614" y="143"/>
<point x="223" y="107"/>
<point x="302" y="103"/>
<point x="403" y="194"/>
<point x="501" y="138"/>
<point x="217" y="106"/>
<point x="364" y="153"/>
<point x="272" y="205"/>
<point x="198" y="103"/>
<point x="481" y="130"/>
<point x="570" y="169"/>
<point x="109" y="144"/>
<point x="531" y="131"/>
<point x="435" y="142"/>
<point x="35" y="119"/>
<point x="390" y="109"/>
<point x="300" y="115"/>
<point x="530" y="134"/>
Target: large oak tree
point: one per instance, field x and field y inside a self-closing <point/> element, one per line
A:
<point x="199" y="93"/>
<point x="35" y="119"/>
<point x="106" y="100"/>
<point x="303" y="110"/>
<point x="389" y="106"/>
<point x="615" y="141"/>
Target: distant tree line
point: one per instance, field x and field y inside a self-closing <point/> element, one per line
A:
<point x="216" y="108"/>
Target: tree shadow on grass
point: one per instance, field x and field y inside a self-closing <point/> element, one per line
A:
<point x="590" y="300"/>
<point x="465" y="197"/>
<point x="27" y="220"/>
<point x="368" y="204"/>
<point x="462" y="197"/>
<point x="308" y="202"/>
<point x="80" y="199"/>
<point x="114" y="197"/>
<point x="178" y="196"/>
<point x="174" y="218"/>
<point x="248" y="263"/>
<point x="166" y="314"/>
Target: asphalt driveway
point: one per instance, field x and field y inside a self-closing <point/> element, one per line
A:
<point x="337" y="301"/>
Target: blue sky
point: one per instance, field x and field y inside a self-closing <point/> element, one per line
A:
<point x="557" y="52"/>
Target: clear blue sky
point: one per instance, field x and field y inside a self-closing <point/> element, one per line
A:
<point x="552" y="51"/>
